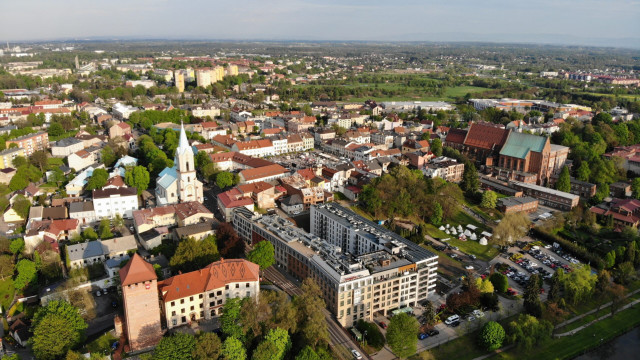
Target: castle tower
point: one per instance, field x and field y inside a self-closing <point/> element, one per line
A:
<point x="189" y="187"/>
<point x="141" y="303"/>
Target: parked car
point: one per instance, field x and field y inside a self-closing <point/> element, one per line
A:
<point x="356" y="354"/>
<point x="452" y="319"/>
<point x="478" y="313"/>
<point x="422" y="336"/>
<point x="383" y="324"/>
<point x="98" y="293"/>
<point x="433" y="332"/>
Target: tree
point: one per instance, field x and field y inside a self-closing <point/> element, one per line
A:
<point x="229" y="319"/>
<point x="229" y="243"/>
<point x="274" y="346"/>
<point x="436" y="147"/>
<point x="21" y="205"/>
<point x="208" y="346"/>
<point x="484" y="285"/>
<point x="177" y="346"/>
<point x="532" y="304"/>
<point x="564" y="180"/>
<point x="470" y="181"/>
<point x="98" y="179"/>
<point x="27" y="273"/>
<point x="39" y="159"/>
<point x="436" y="217"/>
<point x="311" y="323"/>
<point x="193" y="255"/>
<point x="89" y="234"/>
<point x="14" y="356"/>
<point x="137" y="177"/>
<point x="556" y="286"/>
<point x="500" y="282"/>
<point x="512" y="227"/>
<point x="307" y="353"/>
<point x="489" y="199"/>
<point x="55" y="129"/>
<point x="635" y="187"/>
<point x="108" y="156"/>
<point x="429" y="312"/>
<point x="17" y="245"/>
<point x="105" y="229"/>
<point x="579" y="284"/>
<point x="232" y="349"/>
<point x="402" y="335"/>
<point x="224" y="179"/>
<point x="18" y="182"/>
<point x="583" y="173"/>
<point x="625" y="273"/>
<point x="262" y="254"/>
<point x="56" y="327"/>
<point x="616" y="294"/>
<point x="527" y="331"/>
<point x="491" y="336"/>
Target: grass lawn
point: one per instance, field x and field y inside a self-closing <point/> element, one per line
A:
<point x="447" y="267"/>
<point x="361" y="212"/>
<point x="459" y="91"/>
<point x="462" y="348"/>
<point x="571" y="346"/>
<point x="101" y="345"/>
<point x="6" y="293"/>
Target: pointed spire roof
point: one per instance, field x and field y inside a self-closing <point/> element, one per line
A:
<point x="137" y="270"/>
<point x="183" y="145"/>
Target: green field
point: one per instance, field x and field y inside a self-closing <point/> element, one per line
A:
<point x="6" y="293"/>
<point x="460" y="91"/>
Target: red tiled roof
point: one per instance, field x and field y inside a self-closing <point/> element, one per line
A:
<point x="214" y="276"/>
<point x="233" y="199"/>
<point x="306" y="174"/>
<point x="255" y="187"/>
<point x="456" y="136"/>
<point x="262" y="172"/>
<point x="486" y="136"/>
<point x="188" y="209"/>
<point x="117" y="181"/>
<point x="137" y="270"/>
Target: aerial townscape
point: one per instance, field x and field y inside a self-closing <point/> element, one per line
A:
<point x="272" y="196"/>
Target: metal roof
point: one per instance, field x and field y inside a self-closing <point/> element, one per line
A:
<point x="518" y="144"/>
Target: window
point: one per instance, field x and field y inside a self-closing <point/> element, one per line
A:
<point x="237" y="286"/>
<point x="190" y="298"/>
<point x="212" y="304"/>
<point x="182" y="311"/>
<point x="181" y="301"/>
<point x="247" y="284"/>
<point x="175" y="322"/>
<point x="226" y="287"/>
<point x="192" y="307"/>
<point x="173" y="313"/>
<point x="211" y="295"/>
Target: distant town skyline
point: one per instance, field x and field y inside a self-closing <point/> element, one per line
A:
<point x="570" y="22"/>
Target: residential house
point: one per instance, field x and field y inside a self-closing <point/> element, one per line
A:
<point x="84" y="158"/>
<point x="83" y="211"/>
<point x="7" y="156"/>
<point x="233" y="199"/>
<point x="66" y="147"/>
<point x="119" y="130"/>
<point x="115" y="201"/>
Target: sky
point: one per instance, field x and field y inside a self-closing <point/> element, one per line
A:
<point x="574" y="22"/>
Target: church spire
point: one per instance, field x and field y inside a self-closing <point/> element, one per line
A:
<point x="183" y="144"/>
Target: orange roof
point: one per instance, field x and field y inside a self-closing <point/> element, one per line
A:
<point x="255" y="187"/>
<point x="214" y="276"/>
<point x="262" y="172"/>
<point x="47" y="102"/>
<point x="188" y="209"/>
<point x="306" y="174"/>
<point x="137" y="270"/>
<point x="115" y="181"/>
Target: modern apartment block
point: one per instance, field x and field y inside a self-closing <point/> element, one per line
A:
<point x="31" y="142"/>
<point x="361" y="267"/>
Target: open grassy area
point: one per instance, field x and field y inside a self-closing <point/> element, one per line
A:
<point x="361" y="212"/>
<point x="447" y="267"/>
<point x="6" y="292"/>
<point x="462" y="348"/>
<point x="571" y="346"/>
<point x="101" y="345"/>
<point x="459" y="91"/>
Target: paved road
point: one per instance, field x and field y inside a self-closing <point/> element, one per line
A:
<point x="337" y="334"/>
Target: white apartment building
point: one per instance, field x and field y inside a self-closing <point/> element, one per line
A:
<point x="108" y="203"/>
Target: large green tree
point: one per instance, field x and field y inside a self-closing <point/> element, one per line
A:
<point x="491" y="336"/>
<point x="262" y="254"/>
<point x="229" y="319"/>
<point x="311" y="324"/>
<point x="208" y="346"/>
<point x="26" y="274"/>
<point x="527" y="332"/>
<point x="489" y="199"/>
<point x="470" y="180"/>
<point x="532" y="304"/>
<point x="57" y="327"/>
<point x="193" y="255"/>
<point x="511" y="228"/>
<point x="402" y="335"/>
<point x="564" y="180"/>
<point x="274" y="346"/>
<point x="137" y="177"/>
<point x="224" y="179"/>
<point x="98" y="179"/>
<point x="176" y="346"/>
<point x="436" y="147"/>
<point x="232" y="349"/>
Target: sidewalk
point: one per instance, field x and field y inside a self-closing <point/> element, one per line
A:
<point x="572" y="332"/>
<point x="574" y="319"/>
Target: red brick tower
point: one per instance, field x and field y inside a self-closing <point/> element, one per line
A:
<point x="141" y="307"/>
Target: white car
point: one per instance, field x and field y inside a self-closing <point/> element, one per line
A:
<point x="469" y="267"/>
<point x="478" y="314"/>
<point x="356" y="354"/>
<point x="451" y="319"/>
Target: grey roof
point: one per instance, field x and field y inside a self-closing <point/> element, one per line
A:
<point x="511" y="201"/>
<point x="120" y="244"/>
<point x="67" y="142"/>
<point x="115" y="262"/>
<point x="199" y="228"/>
<point x="84" y="251"/>
<point x="292" y="200"/>
<point x="80" y="206"/>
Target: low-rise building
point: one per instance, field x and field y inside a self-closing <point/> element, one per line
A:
<point x="524" y="204"/>
<point x="197" y="231"/>
<point x="169" y="216"/>
<point x="7" y="156"/>
<point x="6" y="175"/>
<point x="84" y="158"/>
<point x="201" y="294"/>
<point x="83" y="211"/>
<point x="549" y="197"/>
<point x="66" y="147"/>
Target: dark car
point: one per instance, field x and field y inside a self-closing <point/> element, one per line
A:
<point x="433" y="332"/>
<point x="422" y="336"/>
<point x="455" y="324"/>
<point x="383" y="325"/>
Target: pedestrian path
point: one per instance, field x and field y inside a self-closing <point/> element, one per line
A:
<point x="574" y="331"/>
<point x="574" y="319"/>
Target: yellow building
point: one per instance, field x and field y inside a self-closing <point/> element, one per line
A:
<point x="7" y="156"/>
<point x="219" y="70"/>
<point x="232" y="70"/>
<point x="179" y="80"/>
<point x="11" y="216"/>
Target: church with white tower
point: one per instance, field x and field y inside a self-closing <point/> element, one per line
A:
<point x="179" y="183"/>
